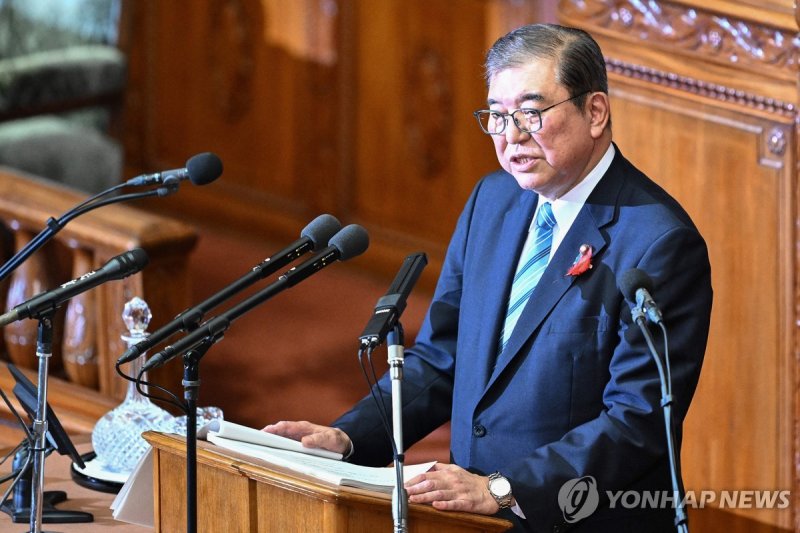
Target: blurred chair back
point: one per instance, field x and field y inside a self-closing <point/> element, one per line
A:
<point x="62" y="80"/>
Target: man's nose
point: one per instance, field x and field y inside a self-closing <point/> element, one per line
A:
<point x="514" y="135"/>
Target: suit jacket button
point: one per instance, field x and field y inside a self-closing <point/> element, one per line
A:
<point x="478" y="430"/>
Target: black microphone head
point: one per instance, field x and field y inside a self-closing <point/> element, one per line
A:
<point x="632" y="280"/>
<point x="352" y="240"/>
<point x="321" y="229"/>
<point x="203" y="168"/>
<point x="134" y="260"/>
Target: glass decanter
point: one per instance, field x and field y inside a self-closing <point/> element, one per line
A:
<point x="117" y="436"/>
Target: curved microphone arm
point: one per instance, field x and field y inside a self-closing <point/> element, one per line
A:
<point x="99" y="195"/>
<point x="55" y="225"/>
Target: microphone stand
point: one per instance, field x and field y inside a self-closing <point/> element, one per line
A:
<point x="44" y="350"/>
<point x="681" y="519"/>
<point x="195" y="345"/>
<point x="394" y="342"/>
<point x="191" y="383"/>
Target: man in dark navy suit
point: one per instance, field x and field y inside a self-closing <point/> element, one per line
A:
<point x="528" y="347"/>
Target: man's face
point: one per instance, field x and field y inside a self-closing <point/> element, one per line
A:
<point x="555" y="158"/>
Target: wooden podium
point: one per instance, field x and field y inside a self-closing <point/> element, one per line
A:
<point x="239" y="494"/>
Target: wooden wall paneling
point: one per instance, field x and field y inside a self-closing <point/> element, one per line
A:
<point x="132" y="42"/>
<point x="419" y="151"/>
<point x="255" y="82"/>
<point x="358" y="108"/>
<point x="738" y="435"/>
<point x="503" y="16"/>
<point x="704" y="99"/>
<point x="241" y="74"/>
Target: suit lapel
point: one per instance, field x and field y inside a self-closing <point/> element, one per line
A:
<point x="597" y="212"/>
<point x="510" y="239"/>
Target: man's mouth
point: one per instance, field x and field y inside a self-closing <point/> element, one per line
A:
<point x="522" y="160"/>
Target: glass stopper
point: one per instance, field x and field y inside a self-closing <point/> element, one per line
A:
<point x="136" y="315"/>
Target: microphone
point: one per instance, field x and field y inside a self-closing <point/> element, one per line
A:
<point x="389" y="307"/>
<point x="313" y="237"/>
<point x="636" y="286"/>
<point x="349" y="242"/>
<point x="201" y="169"/>
<point x="117" y="267"/>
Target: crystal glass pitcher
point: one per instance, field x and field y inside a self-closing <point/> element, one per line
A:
<point x="117" y="436"/>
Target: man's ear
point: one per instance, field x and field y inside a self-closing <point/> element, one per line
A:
<point x="599" y="110"/>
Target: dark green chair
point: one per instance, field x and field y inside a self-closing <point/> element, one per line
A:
<point x="62" y="78"/>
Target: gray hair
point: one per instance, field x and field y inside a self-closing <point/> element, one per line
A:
<point x="580" y="64"/>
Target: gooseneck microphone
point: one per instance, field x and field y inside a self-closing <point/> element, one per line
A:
<point x="314" y="236"/>
<point x="117" y="267"/>
<point x="637" y="287"/>
<point x="389" y="307"/>
<point x="349" y="242"/>
<point x="200" y="169"/>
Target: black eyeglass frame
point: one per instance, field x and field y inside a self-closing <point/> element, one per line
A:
<point x="477" y="114"/>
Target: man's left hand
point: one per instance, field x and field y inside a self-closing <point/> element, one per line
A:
<point x="451" y="488"/>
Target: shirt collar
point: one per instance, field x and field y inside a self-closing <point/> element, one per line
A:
<point x="566" y="208"/>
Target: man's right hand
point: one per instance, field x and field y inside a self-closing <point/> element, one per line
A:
<point x="312" y="435"/>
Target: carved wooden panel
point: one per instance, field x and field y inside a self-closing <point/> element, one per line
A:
<point x="678" y="38"/>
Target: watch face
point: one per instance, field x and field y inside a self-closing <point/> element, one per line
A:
<point x="500" y="487"/>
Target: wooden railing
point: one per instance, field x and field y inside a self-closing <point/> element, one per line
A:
<point x="87" y="330"/>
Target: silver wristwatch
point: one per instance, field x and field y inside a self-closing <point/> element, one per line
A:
<point x="500" y="489"/>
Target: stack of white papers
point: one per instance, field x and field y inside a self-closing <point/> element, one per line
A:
<point x="134" y="503"/>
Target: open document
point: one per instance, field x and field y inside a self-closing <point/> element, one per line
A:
<point x="238" y="433"/>
<point x="326" y="469"/>
<point x="134" y="503"/>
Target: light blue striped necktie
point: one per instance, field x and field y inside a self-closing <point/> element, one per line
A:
<point x="529" y="270"/>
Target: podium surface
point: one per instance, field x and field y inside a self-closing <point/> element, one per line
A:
<point x="240" y="494"/>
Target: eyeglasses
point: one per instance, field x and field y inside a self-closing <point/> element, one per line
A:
<point x="527" y="119"/>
